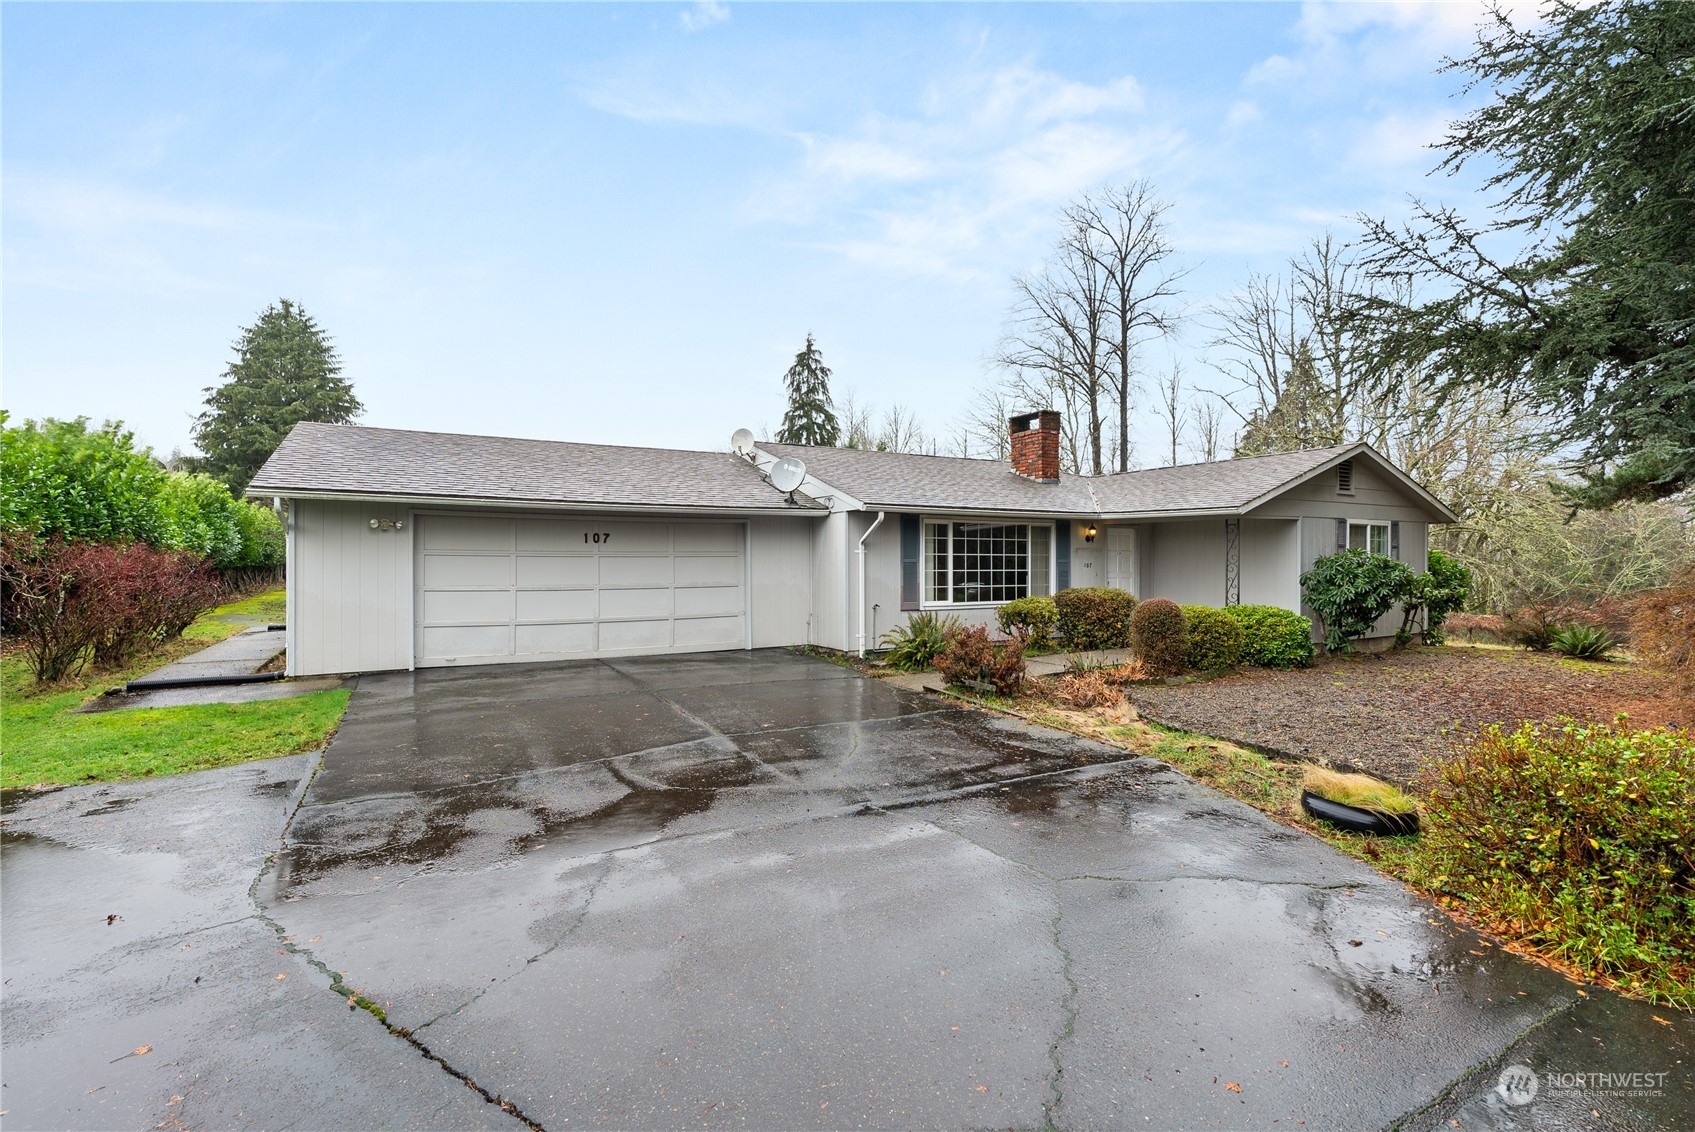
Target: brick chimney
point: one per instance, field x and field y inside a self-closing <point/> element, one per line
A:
<point x="1035" y="446"/>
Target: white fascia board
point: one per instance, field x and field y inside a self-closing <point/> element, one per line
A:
<point x="980" y="513"/>
<point x="567" y="508"/>
<point x="1360" y="448"/>
<point x="810" y="486"/>
<point x="1165" y="515"/>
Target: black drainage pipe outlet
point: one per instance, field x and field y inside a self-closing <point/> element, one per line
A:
<point x="1359" y="820"/>
<point x="275" y="628"/>
<point x="200" y="681"/>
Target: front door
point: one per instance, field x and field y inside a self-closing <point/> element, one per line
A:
<point x="1121" y="558"/>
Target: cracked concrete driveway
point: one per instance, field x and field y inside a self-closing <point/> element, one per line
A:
<point x="748" y="890"/>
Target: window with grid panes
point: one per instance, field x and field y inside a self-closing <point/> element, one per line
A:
<point x="967" y="563"/>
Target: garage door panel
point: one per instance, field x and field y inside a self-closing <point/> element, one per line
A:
<point x="617" y="571"/>
<point x="466" y="532"/>
<point x="553" y="536"/>
<point x="552" y="640"/>
<point x="623" y="635"/>
<point x="702" y="600"/>
<point x="706" y="538"/>
<point x="502" y="588"/>
<point x="722" y="571"/>
<point x="460" y="641"/>
<point x="450" y="570"/>
<point x="635" y="603"/>
<point x="708" y="632"/>
<point x="532" y="570"/>
<point x="633" y="538"/>
<point x="557" y="605"/>
<point x="467" y="606"/>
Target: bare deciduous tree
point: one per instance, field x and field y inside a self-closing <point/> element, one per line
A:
<point x="1171" y="408"/>
<point x="1129" y="248"/>
<point x="1078" y="321"/>
<point x="900" y="432"/>
<point x="855" y="417"/>
<point x="1209" y="419"/>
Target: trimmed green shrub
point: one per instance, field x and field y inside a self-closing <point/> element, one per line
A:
<point x="1159" y="636"/>
<point x="1214" y="638"/>
<point x="1350" y="590"/>
<point x="1029" y="617"/>
<point x="916" y="645"/>
<point x="1094" y="617"/>
<point x="65" y="478"/>
<point x="1577" y="838"/>
<point x="1272" y="637"/>
<point x="263" y="544"/>
<point x="972" y="658"/>
<point x="1439" y="591"/>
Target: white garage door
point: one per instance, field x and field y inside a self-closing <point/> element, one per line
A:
<point x="499" y="589"/>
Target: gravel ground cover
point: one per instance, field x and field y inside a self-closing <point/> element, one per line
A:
<point x="1390" y="713"/>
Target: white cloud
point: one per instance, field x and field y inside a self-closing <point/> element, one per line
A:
<point x="703" y="14"/>
<point x="1242" y="113"/>
<point x="983" y="160"/>
<point x="1400" y="139"/>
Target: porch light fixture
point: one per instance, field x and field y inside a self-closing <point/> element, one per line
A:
<point x="1089" y="532"/>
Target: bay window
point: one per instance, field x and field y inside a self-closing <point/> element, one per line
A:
<point x="991" y="563"/>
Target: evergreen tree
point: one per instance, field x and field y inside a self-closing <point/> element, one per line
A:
<point x="285" y="371"/>
<point x="1304" y="416"/>
<point x="811" y="418"/>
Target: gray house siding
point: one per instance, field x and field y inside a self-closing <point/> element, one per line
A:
<point x="779" y="573"/>
<point x="1270" y="558"/>
<point x="1187" y="562"/>
<point x="350" y="588"/>
<point x="1375" y="496"/>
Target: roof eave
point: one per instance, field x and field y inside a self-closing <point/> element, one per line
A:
<point x="566" y="506"/>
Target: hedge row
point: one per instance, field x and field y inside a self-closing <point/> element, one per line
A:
<point x="65" y="479"/>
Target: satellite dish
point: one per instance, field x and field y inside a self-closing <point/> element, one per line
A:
<point x="787" y="474"/>
<point x="741" y="442"/>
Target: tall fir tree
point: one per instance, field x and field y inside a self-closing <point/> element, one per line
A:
<point x="285" y="371"/>
<point x="811" y="418"/>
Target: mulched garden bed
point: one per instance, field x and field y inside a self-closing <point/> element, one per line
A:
<point x="1388" y="714"/>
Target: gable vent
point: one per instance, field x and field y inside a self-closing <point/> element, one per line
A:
<point x="1345" y="477"/>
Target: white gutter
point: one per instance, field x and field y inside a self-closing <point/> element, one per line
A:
<point x="880" y="517"/>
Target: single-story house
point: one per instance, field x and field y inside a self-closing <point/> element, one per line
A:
<point x="421" y="549"/>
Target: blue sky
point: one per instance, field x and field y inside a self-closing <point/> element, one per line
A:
<point x="617" y="223"/>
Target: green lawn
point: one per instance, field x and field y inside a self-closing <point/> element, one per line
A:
<point x="42" y="741"/>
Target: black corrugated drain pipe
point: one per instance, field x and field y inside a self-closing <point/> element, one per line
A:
<point x="197" y="682"/>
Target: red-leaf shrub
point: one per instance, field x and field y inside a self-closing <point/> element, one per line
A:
<point x="72" y="602"/>
<point x="972" y="658"/>
<point x="1160" y="636"/>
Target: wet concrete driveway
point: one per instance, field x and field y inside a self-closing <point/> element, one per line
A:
<point x="749" y="890"/>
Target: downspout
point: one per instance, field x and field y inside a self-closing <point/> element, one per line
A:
<point x="880" y="516"/>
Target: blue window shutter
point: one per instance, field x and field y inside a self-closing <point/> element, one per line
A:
<point x="1395" y="539"/>
<point x="1062" y="555"/>
<point x="1341" y="534"/>
<point x="909" y="536"/>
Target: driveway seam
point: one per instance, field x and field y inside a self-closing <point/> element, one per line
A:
<point x="354" y="999"/>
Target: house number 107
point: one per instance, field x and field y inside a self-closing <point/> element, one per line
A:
<point x="597" y="536"/>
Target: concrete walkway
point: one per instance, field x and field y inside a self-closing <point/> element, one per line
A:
<point x="246" y="652"/>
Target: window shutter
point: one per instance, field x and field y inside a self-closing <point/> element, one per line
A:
<point x="1062" y="555"/>
<point x="1341" y="534"/>
<point x="909" y="535"/>
<point x="1395" y="539"/>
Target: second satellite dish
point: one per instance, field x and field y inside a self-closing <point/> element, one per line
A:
<point x="741" y="442"/>
<point x="787" y="474"/>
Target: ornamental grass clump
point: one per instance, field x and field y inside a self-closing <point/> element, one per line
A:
<point x="1094" y="617"/>
<point x="1159" y="636"/>
<point x="1214" y="639"/>
<point x="1359" y="790"/>
<point x="916" y="645"/>
<point x="1579" y="839"/>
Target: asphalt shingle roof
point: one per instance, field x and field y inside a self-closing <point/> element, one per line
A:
<point x="356" y="460"/>
<point x="897" y="480"/>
